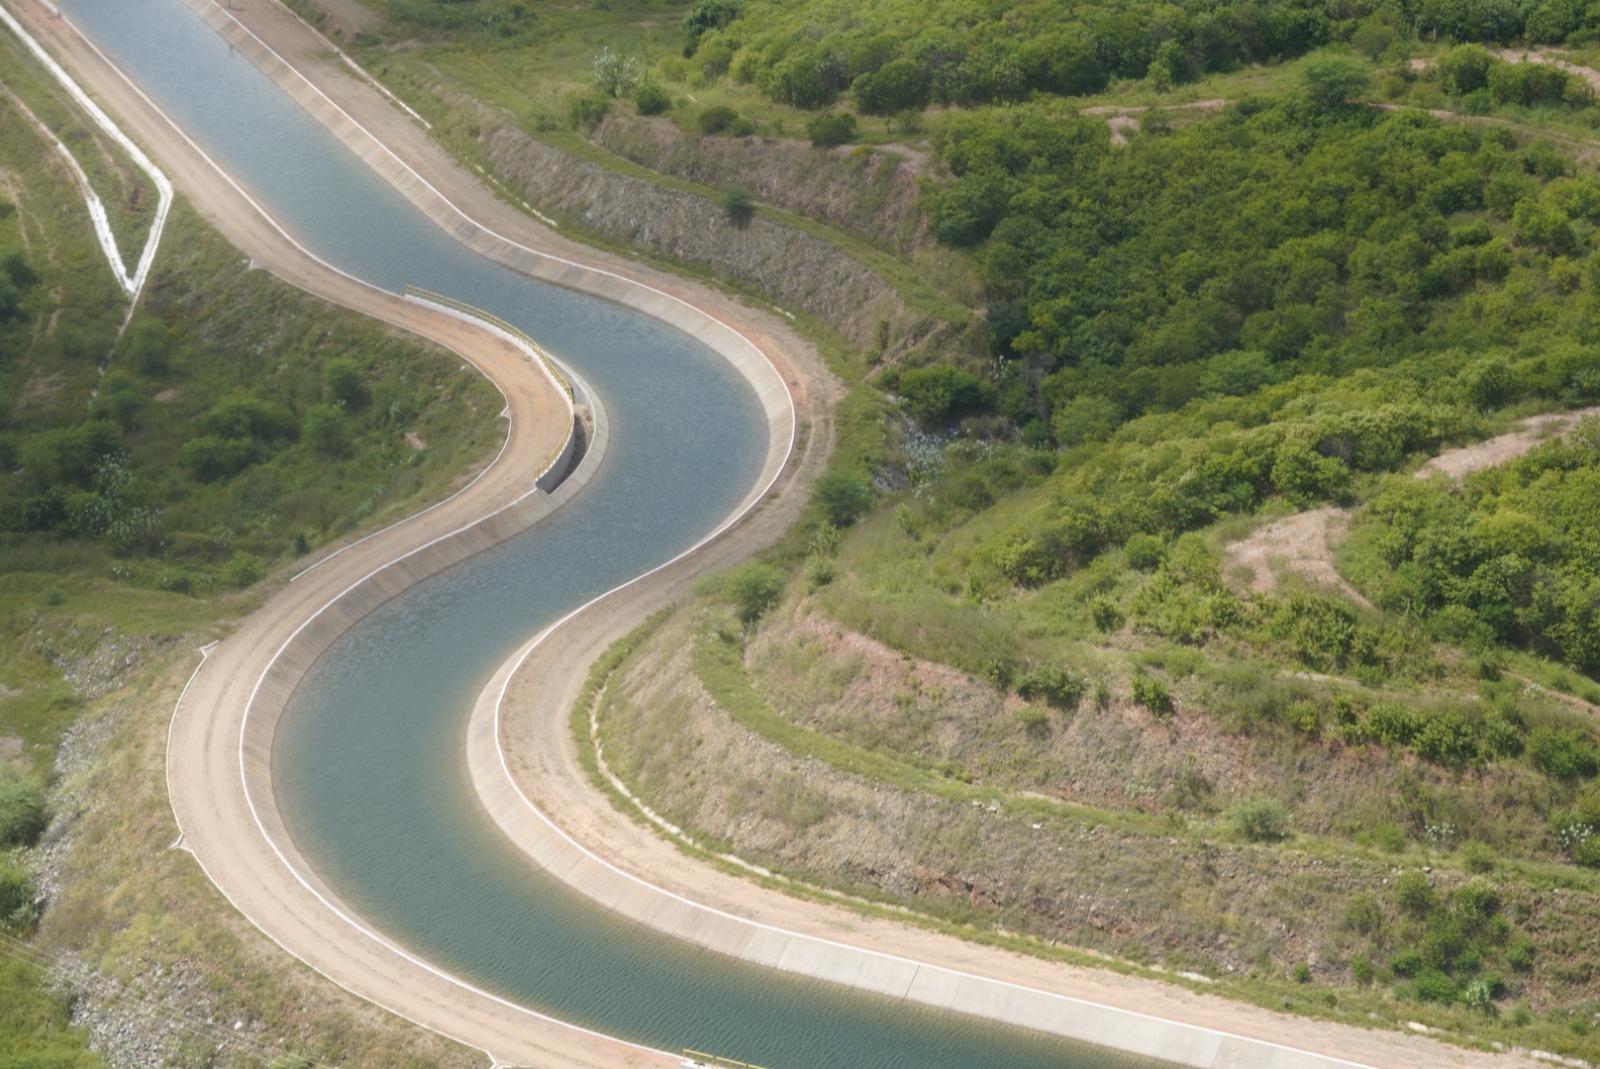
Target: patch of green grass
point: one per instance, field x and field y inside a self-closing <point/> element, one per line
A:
<point x="34" y="1028"/>
<point x="124" y="189"/>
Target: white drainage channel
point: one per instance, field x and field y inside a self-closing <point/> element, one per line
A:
<point x="131" y="282"/>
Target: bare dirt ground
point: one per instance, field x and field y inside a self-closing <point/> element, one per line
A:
<point x="348" y="18"/>
<point x="1125" y="120"/>
<point x="1588" y="74"/>
<point x="1463" y="461"/>
<point x="1302" y="545"/>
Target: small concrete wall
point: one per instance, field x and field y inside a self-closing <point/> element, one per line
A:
<point x="555" y="470"/>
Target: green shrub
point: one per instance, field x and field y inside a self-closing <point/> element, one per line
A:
<point x="145" y="344"/>
<point x="1585" y="851"/>
<point x="1303" y="716"/>
<point x="1261" y="819"/>
<point x="971" y="491"/>
<point x="1432" y="985"/>
<point x="715" y="119"/>
<point x="1464" y="69"/>
<point x="243" y="416"/>
<point x="243" y="569"/>
<point x="1477" y="857"/>
<point x="1144" y="551"/>
<point x="1363" y="914"/>
<point x="1392" y="724"/>
<point x="22" y="812"/>
<point x="1520" y="954"/>
<point x="327" y="428"/>
<point x="1414" y="893"/>
<point x="1331" y="82"/>
<point x="1301" y="973"/>
<point x="1087" y="418"/>
<point x="16" y="894"/>
<point x="585" y="110"/>
<point x="209" y="458"/>
<point x="1153" y="694"/>
<point x="1562" y="753"/>
<point x="1106" y="614"/>
<point x="343" y="379"/>
<point x="1361" y="970"/>
<point x="843" y="497"/>
<point x="1387" y="836"/>
<point x="898" y="86"/>
<point x="754" y="589"/>
<point x="1033" y="718"/>
<point x="1406" y="963"/>
<point x="737" y="205"/>
<point x="937" y="394"/>
<point x="651" y="99"/>
<point x="1058" y="685"/>
<point x="832" y="128"/>
<point x="1448" y="738"/>
<point x="1476" y="902"/>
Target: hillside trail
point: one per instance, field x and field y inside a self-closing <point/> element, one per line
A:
<point x="1303" y="544"/>
<point x="1123" y="120"/>
<point x="1534" y="55"/>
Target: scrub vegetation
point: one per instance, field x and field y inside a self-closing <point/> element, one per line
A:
<point x="1168" y="278"/>
<point x="155" y="473"/>
<point x="1218" y="266"/>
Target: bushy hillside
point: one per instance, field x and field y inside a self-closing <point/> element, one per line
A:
<point x="1024" y="600"/>
<point x="897" y="56"/>
<point x="152" y="471"/>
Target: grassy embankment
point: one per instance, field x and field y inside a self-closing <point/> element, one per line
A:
<point x="239" y="425"/>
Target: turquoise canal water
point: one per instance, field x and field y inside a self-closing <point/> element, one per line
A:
<point x="370" y="758"/>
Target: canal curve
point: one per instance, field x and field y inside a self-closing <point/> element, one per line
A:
<point x="367" y="762"/>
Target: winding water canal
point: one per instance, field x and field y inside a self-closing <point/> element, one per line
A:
<point x="369" y="759"/>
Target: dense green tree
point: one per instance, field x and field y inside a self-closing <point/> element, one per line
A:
<point x="1333" y="82"/>
<point x="899" y="85"/>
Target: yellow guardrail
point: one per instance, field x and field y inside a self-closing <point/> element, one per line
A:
<point x="489" y="317"/>
<point x="714" y="1061"/>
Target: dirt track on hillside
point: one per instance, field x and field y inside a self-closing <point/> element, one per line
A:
<point x="1303" y="544"/>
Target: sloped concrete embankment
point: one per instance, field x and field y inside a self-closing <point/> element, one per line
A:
<point x="295" y="659"/>
<point x="725" y="340"/>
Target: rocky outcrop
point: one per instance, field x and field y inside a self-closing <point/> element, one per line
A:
<point x="871" y="192"/>
<point x="797" y="270"/>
